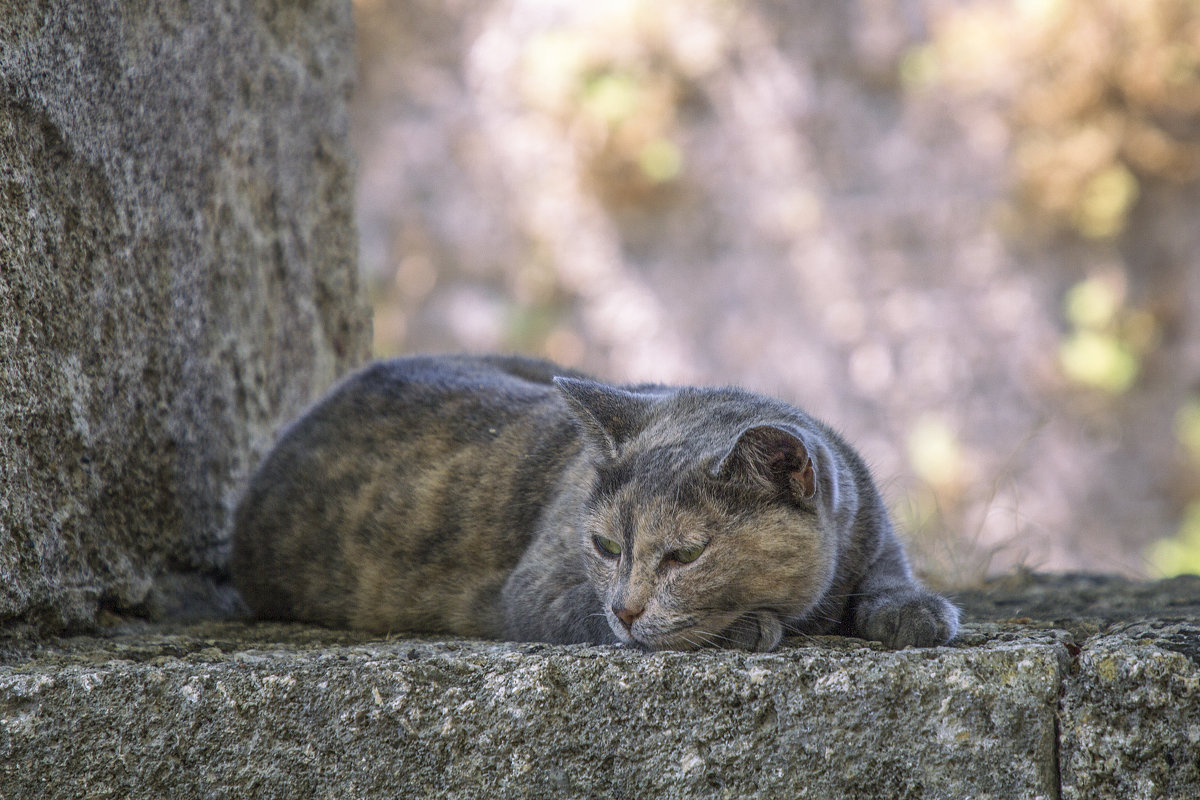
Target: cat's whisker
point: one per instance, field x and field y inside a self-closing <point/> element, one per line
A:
<point x="705" y="639"/>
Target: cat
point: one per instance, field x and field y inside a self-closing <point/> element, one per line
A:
<point x="508" y="498"/>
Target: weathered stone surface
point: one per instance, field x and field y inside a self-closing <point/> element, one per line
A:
<point x="1101" y="705"/>
<point x="274" y="711"/>
<point x="177" y="277"/>
<point x="1077" y="598"/>
<point x="1131" y="719"/>
<point x="1130" y="713"/>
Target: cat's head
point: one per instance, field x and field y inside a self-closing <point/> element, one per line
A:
<point x="708" y="522"/>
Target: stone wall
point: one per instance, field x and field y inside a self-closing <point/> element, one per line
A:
<point x="1058" y="687"/>
<point x="178" y="275"/>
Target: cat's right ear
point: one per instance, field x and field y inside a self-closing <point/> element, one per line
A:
<point x="610" y="416"/>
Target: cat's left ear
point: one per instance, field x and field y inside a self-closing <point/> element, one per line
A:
<point x="610" y="416"/>
<point x="773" y="459"/>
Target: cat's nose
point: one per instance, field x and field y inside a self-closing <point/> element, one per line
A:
<point x="627" y="615"/>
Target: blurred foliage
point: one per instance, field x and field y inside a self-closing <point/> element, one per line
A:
<point x="1108" y="340"/>
<point x="1103" y="95"/>
<point x="615" y="86"/>
<point x="1187" y="429"/>
<point x="1181" y="553"/>
<point x="541" y="147"/>
<point x="935" y="453"/>
<point x="931" y="511"/>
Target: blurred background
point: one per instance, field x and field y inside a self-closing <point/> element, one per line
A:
<point x="965" y="233"/>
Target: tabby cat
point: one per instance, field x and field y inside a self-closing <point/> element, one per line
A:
<point x="509" y="498"/>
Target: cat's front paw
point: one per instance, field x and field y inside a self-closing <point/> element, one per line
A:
<point x="907" y="618"/>
<point x="759" y="631"/>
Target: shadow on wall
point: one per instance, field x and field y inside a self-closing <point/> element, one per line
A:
<point x="964" y="234"/>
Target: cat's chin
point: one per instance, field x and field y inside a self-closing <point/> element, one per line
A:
<point x="686" y="638"/>
<point x="759" y="631"/>
<point x="684" y="642"/>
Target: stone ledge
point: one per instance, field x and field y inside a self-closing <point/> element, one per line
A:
<point x="229" y="710"/>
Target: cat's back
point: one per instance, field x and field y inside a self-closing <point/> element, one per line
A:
<point x="406" y="471"/>
<point x="429" y="402"/>
<point x="439" y="386"/>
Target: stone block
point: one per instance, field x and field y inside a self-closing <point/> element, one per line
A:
<point x="286" y="711"/>
<point x="1131" y="719"/>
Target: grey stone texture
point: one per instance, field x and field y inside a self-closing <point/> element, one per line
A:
<point x="177" y="277"/>
<point x="1018" y="707"/>
<point x="272" y="718"/>
<point x="1131" y="724"/>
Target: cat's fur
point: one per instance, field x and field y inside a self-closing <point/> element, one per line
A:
<point x="476" y="496"/>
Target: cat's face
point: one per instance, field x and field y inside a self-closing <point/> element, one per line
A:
<point x="674" y="574"/>
<point x="705" y="524"/>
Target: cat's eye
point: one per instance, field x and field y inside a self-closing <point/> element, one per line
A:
<point x="605" y="545"/>
<point x="686" y="555"/>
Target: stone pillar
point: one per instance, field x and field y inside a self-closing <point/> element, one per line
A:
<point x="177" y="278"/>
